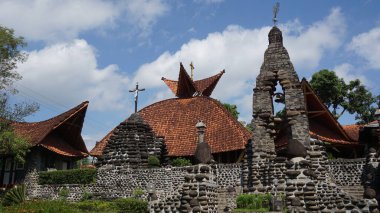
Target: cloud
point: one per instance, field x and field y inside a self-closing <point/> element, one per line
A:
<point x="347" y="72"/>
<point x="307" y="46"/>
<point x="144" y="13"/>
<point x="208" y="1"/>
<point x="55" y="20"/>
<point x="240" y="52"/>
<point x="65" y="19"/>
<point x="367" y="45"/>
<point x="70" y="71"/>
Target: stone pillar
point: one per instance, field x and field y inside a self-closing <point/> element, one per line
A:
<point x="199" y="190"/>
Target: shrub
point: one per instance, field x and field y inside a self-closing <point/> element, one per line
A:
<point x="86" y="195"/>
<point x="131" y="205"/>
<point x="14" y="196"/>
<point x="63" y="192"/>
<point x="42" y="207"/>
<point x="257" y="202"/>
<point x="153" y="161"/>
<point x="95" y="206"/>
<point x="137" y="193"/>
<point x="181" y="162"/>
<point x="73" y="176"/>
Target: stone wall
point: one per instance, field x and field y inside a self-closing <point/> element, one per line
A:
<point x="347" y="172"/>
<point x="228" y="175"/>
<point x="121" y="181"/>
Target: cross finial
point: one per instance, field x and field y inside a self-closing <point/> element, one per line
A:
<point x="136" y="91"/>
<point x="276" y="9"/>
<point x="192" y="70"/>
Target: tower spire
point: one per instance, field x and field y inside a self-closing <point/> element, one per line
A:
<point x="276" y="9"/>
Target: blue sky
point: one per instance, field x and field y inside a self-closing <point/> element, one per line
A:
<point x="97" y="50"/>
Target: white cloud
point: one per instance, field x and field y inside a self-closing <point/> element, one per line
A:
<point x="308" y="46"/>
<point x="65" y="19"/>
<point x="70" y="71"/>
<point x="144" y="13"/>
<point x="208" y="1"/>
<point x="367" y="45"/>
<point x="347" y="72"/>
<point x="240" y="52"/>
<point x="55" y="20"/>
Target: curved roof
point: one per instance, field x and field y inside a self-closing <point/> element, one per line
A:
<point x="186" y="87"/>
<point x="175" y="119"/>
<point x="70" y="123"/>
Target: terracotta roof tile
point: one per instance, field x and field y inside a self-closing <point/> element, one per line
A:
<point x="62" y="148"/>
<point x="185" y="87"/>
<point x="207" y="85"/>
<point x="353" y="131"/>
<point x="100" y="145"/>
<point x="36" y="132"/>
<point x="175" y="119"/>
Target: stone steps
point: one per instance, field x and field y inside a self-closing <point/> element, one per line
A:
<point x="354" y="191"/>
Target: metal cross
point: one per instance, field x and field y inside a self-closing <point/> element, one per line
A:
<point x="192" y="70"/>
<point x="136" y="91"/>
<point x="276" y="9"/>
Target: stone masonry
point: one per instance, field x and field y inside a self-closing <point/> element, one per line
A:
<point x="132" y="143"/>
<point x="277" y="67"/>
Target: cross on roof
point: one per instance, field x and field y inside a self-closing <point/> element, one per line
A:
<point x="276" y="9"/>
<point x="136" y="91"/>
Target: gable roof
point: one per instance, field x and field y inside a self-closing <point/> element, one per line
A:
<point x="175" y="120"/>
<point x="185" y="87"/>
<point x="322" y="124"/>
<point x="69" y="124"/>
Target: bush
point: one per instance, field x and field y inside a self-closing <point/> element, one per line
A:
<point x="153" y="161"/>
<point x="137" y="193"/>
<point x="73" y="176"/>
<point x="131" y="205"/>
<point x="256" y="202"/>
<point x="42" y="206"/>
<point x="14" y="196"/>
<point x="181" y="162"/>
<point x="95" y="206"/>
<point x="64" y="192"/>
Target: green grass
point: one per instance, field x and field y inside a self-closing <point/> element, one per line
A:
<point x="88" y="206"/>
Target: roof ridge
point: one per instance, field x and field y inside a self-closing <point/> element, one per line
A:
<point x="306" y="83"/>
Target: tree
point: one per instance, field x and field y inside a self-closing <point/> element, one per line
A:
<point x="10" y="56"/>
<point x="232" y="108"/>
<point x="341" y="97"/>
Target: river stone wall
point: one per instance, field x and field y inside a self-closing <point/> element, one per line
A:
<point x="122" y="181"/>
<point x="347" y="172"/>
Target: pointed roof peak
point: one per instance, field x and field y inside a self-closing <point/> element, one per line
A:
<point x="275" y="35"/>
<point x="186" y="87"/>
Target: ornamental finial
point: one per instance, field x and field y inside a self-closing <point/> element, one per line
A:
<point x="276" y="9"/>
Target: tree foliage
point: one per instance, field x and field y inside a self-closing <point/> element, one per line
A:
<point x="232" y="108"/>
<point x="10" y="57"/>
<point x="341" y="97"/>
<point x="12" y="144"/>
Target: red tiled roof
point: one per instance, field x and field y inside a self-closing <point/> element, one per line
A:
<point x="100" y="145"/>
<point x="70" y="122"/>
<point x="175" y="119"/>
<point x="56" y="144"/>
<point x="185" y="87"/>
<point x="353" y="131"/>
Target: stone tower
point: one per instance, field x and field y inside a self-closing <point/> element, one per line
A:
<point x="277" y="67"/>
